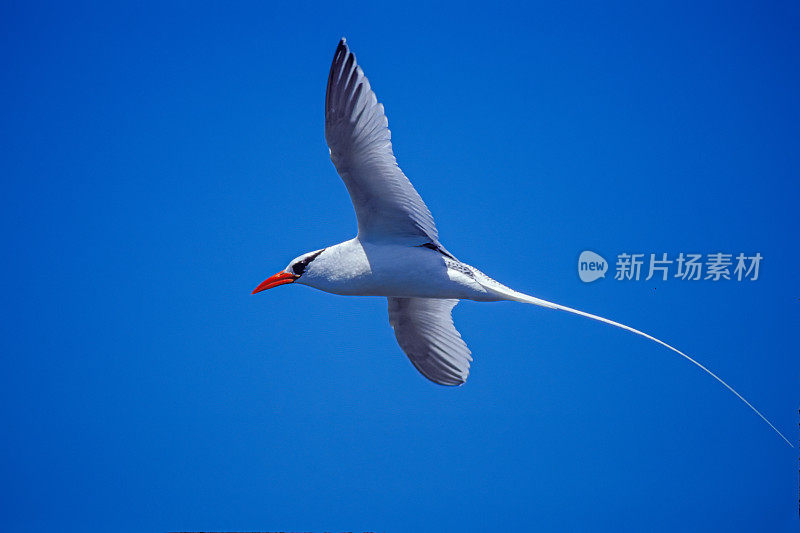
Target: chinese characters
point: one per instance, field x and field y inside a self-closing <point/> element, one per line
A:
<point x="688" y="266"/>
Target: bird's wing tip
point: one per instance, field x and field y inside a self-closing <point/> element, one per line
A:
<point x="343" y="48"/>
<point x="455" y="383"/>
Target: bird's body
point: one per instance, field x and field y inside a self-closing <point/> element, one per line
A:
<point x="356" y="268"/>
<point x="397" y="253"/>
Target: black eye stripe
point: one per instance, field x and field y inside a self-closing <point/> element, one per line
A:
<point x="300" y="267"/>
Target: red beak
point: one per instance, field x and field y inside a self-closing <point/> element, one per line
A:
<point x="281" y="278"/>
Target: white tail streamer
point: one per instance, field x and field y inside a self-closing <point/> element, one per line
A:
<point x="524" y="298"/>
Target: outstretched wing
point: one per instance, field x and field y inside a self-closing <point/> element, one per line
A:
<point x="425" y="331"/>
<point x="386" y="204"/>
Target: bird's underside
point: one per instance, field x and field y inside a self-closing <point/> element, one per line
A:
<point x="397" y="252"/>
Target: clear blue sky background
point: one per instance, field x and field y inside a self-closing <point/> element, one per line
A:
<point x="158" y="162"/>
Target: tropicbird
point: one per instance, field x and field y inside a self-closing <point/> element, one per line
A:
<point x="397" y="252"/>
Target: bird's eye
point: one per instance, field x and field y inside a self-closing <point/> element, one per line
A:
<point x="300" y="267"/>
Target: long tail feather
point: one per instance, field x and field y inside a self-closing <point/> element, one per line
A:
<point x="525" y="298"/>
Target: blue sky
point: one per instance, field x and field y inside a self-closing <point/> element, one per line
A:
<point x="158" y="162"/>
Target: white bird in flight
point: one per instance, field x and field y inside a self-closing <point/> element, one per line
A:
<point x="397" y="253"/>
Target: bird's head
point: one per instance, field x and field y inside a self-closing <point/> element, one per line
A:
<point x="291" y="273"/>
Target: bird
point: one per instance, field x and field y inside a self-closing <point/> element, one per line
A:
<point x="397" y="252"/>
